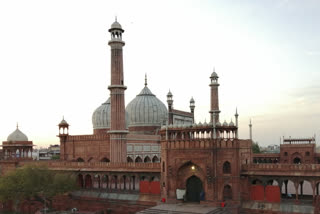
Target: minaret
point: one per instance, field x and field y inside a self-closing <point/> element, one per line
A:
<point x="236" y="116"/>
<point x="250" y="130"/>
<point x="192" y="107"/>
<point x="118" y="131"/>
<point x="214" y="110"/>
<point x="170" y="107"/>
<point x="63" y="135"/>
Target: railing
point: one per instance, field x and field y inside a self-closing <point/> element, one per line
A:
<point x="100" y="166"/>
<point x="205" y="143"/>
<point x="290" y="168"/>
<point x="87" y="137"/>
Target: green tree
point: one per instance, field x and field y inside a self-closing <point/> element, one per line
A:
<point x="34" y="182"/>
<point x="55" y="157"/>
<point x="255" y="147"/>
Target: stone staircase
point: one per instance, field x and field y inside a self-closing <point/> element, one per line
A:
<point x="161" y="211"/>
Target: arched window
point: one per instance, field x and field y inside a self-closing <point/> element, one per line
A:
<point x="155" y="159"/>
<point x="147" y="159"/>
<point x="129" y="160"/>
<point x="164" y="169"/>
<point x="80" y="160"/>
<point x="226" y="168"/>
<point x="138" y="160"/>
<point x="80" y="181"/>
<point x="88" y="182"/>
<point x="105" y="160"/>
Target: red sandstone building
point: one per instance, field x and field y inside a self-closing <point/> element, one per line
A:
<point x="147" y="152"/>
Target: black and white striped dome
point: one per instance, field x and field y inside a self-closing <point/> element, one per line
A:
<point x="101" y="116"/>
<point x="146" y="110"/>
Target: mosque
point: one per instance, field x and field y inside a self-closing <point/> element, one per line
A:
<point x="149" y="152"/>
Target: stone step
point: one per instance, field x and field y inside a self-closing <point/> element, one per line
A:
<point x="158" y="211"/>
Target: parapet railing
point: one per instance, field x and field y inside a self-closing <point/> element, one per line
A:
<point x="281" y="167"/>
<point x="61" y="165"/>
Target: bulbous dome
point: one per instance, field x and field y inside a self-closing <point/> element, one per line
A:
<point x="101" y="116"/>
<point x="116" y="25"/>
<point x="146" y="110"/>
<point x="17" y="135"/>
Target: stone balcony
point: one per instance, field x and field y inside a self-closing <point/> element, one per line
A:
<point x="306" y="170"/>
<point x="96" y="166"/>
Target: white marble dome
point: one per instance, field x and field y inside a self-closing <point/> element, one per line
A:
<point x="116" y="25"/>
<point x="17" y="135"/>
<point x="146" y="110"/>
<point x="101" y="116"/>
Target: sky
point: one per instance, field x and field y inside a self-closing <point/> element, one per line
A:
<point x="55" y="62"/>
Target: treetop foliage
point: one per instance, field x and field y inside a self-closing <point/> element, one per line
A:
<point x="32" y="181"/>
<point x="255" y="147"/>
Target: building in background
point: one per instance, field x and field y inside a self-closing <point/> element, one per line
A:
<point x="144" y="153"/>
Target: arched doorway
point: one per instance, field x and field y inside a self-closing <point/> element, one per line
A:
<point x="297" y="160"/>
<point x="194" y="188"/>
<point x="227" y="192"/>
<point x="80" y="181"/>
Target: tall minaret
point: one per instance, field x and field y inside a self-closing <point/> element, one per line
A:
<point x="214" y="111"/>
<point x="236" y="116"/>
<point x="192" y="107"/>
<point x="250" y="130"/>
<point x="170" y="107"/>
<point x="118" y="131"/>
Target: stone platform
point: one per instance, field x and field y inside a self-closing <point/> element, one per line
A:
<point x="183" y="208"/>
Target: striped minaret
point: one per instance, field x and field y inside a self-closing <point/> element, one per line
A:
<point x="118" y="132"/>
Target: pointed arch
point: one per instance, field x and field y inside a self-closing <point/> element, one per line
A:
<point x="80" y="160"/>
<point x="226" y="167"/>
<point x="194" y="189"/>
<point x="138" y="160"/>
<point x="129" y="160"/>
<point x="88" y="181"/>
<point x="296" y="158"/>
<point x="227" y="192"/>
<point x="155" y="159"/>
<point x="147" y="159"/>
<point x="106" y="160"/>
<point x="80" y="180"/>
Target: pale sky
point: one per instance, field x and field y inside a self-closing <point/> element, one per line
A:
<point x="55" y="61"/>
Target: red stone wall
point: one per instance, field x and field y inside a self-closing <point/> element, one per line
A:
<point x="7" y="166"/>
<point x="87" y="147"/>
<point x="300" y="150"/>
<point x="179" y="156"/>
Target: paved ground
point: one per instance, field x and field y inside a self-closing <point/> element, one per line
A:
<point x="185" y="208"/>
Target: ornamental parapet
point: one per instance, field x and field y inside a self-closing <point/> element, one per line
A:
<point x="206" y="143"/>
<point x="96" y="166"/>
<point x="281" y="169"/>
<point x="87" y="137"/>
<point x="198" y="131"/>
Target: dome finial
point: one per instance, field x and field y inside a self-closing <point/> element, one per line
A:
<point x="116" y="18"/>
<point x="17" y="125"/>
<point x="145" y="80"/>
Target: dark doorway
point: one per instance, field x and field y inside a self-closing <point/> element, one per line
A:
<point x="227" y="192"/>
<point x="296" y="160"/>
<point x="194" y="188"/>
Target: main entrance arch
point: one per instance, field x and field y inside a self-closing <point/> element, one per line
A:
<point x="194" y="188"/>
